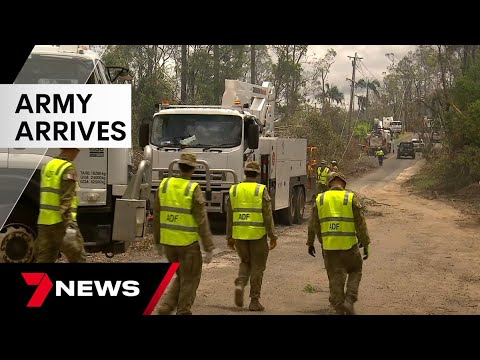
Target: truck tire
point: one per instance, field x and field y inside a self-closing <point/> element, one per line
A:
<point x="300" y="204"/>
<point x="18" y="236"/>
<point x="287" y="214"/>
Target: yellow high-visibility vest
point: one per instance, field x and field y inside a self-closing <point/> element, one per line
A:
<point x="178" y="227"/>
<point x="51" y="191"/>
<point x="337" y="223"/>
<point x="246" y="201"/>
<point x="322" y="175"/>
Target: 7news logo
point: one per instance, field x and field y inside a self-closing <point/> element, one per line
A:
<point x="128" y="288"/>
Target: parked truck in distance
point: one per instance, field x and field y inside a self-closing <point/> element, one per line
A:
<point x="380" y="138"/>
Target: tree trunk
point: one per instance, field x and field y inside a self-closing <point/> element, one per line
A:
<point x="216" y="73"/>
<point x="366" y="105"/>
<point x="183" y="81"/>
<point x="253" y="70"/>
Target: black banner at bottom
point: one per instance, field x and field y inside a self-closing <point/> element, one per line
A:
<point x="43" y="290"/>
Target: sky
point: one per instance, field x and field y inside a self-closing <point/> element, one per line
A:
<point x="374" y="60"/>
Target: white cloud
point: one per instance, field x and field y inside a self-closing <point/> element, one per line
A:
<point x="373" y="56"/>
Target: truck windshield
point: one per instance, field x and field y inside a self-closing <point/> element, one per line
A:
<point x="197" y="130"/>
<point x="51" y="69"/>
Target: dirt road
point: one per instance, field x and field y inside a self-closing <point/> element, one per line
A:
<point x="425" y="259"/>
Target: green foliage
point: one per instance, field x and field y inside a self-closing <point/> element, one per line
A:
<point x="362" y="129"/>
<point x="148" y="65"/>
<point x="310" y="289"/>
<point x="318" y="131"/>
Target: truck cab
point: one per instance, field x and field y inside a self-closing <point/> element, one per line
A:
<point x="217" y="136"/>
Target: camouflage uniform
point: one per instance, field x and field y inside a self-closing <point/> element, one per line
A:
<point x="253" y="253"/>
<point x="49" y="243"/>
<point x="182" y="292"/>
<point x="341" y="264"/>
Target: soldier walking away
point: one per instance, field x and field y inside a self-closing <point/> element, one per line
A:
<point x="322" y="173"/>
<point x="249" y="221"/>
<point x="334" y="166"/>
<point x="180" y="220"/>
<point x="58" y="231"/>
<point x="338" y="221"/>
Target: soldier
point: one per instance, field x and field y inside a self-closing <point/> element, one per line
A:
<point x="249" y="220"/>
<point x="180" y="220"/>
<point x="58" y="211"/>
<point x="333" y="166"/>
<point x="338" y="221"/>
<point x="322" y="173"/>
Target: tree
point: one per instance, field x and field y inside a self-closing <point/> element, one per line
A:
<point x="319" y="76"/>
<point x="183" y="80"/>
<point x="333" y="94"/>
<point x="149" y="67"/>
<point x="288" y="76"/>
<point x="369" y="85"/>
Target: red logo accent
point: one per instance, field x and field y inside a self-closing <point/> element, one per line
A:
<point x="44" y="286"/>
<point x="161" y="288"/>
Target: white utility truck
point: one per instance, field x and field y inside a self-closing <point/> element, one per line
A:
<point x="112" y="201"/>
<point x="223" y="138"/>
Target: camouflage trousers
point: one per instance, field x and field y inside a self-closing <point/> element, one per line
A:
<point x="253" y="262"/>
<point x="183" y="290"/>
<point x="49" y="244"/>
<point x="343" y="266"/>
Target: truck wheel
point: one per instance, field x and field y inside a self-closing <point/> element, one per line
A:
<point x="300" y="204"/>
<point x="287" y="215"/>
<point x="17" y="237"/>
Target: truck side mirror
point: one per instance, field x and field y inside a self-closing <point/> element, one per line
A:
<point x="253" y="136"/>
<point x="143" y="134"/>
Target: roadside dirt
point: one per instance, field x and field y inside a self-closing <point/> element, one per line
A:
<point x="425" y="260"/>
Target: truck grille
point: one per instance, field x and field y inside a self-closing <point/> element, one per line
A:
<point x="216" y="179"/>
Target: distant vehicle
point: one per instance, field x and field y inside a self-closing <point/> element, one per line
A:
<point x="396" y="126"/>
<point x="387" y="122"/>
<point x="406" y="149"/>
<point x="419" y="145"/>
<point x="436" y="137"/>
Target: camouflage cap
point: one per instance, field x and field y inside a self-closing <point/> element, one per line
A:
<point x="335" y="174"/>
<point x="323" y="162"/>
<point x="188" y="159"/>
<point x="252" y="166"/>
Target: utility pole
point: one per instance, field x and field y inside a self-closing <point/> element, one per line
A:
<point x="354" y="65"/>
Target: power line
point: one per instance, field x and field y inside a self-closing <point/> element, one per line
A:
<point x="351" y="136"/>
<point x="365" y="66"/>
